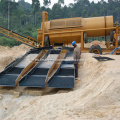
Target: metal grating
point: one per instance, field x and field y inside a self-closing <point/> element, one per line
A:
<point x="33" y="81"/>
<point x="73" y="22"/>
<point x="8" y="80"/>
<point x="15" y="70"/>
<point x="40" y="71"/>
<point x="61" y="82"/>
<point x="66" y="72"/>
<point x="62" y="23"/>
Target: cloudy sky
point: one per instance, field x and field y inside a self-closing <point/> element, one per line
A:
<point x="66" y="1"/>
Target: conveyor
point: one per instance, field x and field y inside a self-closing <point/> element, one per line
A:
<point x="26" y="40"/>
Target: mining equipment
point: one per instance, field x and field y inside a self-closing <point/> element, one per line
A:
<point x="40" y="71"/>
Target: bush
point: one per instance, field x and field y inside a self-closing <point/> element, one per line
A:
<point x="27" y="33"/>
<point x="8" y="42"/>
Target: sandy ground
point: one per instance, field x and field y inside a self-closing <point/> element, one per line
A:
<point x="7" y="55"/>
<point x="96" y="95"/>
<point x="96" y="42"/>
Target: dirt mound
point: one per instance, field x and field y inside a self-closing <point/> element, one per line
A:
<point x="21" y="47"/>
<point x="7" y="54"/>
<point x="96" y="42"/>
<point x="5" y="61"/>
<point x="3" y="49"/>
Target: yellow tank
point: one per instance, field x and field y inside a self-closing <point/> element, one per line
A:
<point x="96" y="23"/>
<point x="62" y="30"/>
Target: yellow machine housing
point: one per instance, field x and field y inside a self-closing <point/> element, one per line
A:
<point x="64" y="31"/>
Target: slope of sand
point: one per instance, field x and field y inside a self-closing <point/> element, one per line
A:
<point x="7" y="55"/>
<point x="96" y="96"/>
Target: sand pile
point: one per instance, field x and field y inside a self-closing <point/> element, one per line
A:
<point x="96" y="42"/>
<point x="96" y="96"/>
<point x="7" y="54"/>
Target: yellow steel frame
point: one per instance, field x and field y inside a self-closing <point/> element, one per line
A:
<point x="44" y="19"/>
<point x="110" y="28"/>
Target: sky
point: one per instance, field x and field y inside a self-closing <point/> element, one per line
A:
<point x="66" y="1"/>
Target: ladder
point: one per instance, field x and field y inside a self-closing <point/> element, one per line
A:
<point x="26" y="40"/>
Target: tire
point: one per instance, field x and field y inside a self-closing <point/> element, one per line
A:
<point x="111" y="35"/>
<point x="47" y="42"/>
<point x="85" y="37"/>
<point x="95" y="49"/>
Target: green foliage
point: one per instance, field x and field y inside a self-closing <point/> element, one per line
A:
<point x="4" y="6"/>
<point x="61" y="1"/>
<point x="46" y="2"/>
<point x="27" y="33"/>
<point x="35" y="5"/>
<point x="8" y="42"/>
<point x="56" y="11"/>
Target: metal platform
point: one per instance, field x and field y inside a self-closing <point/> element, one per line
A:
<point x="62" y="82"/>
<point x="8" y="80"/>
<point x="37" y="76"/>
<point x="41" y="67"/>
<point x="65" y="75"/>
<point x="9" y="76"/>
<point x="33" y="81"/>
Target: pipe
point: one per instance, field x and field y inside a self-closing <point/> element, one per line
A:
<point x="114" y="50"/>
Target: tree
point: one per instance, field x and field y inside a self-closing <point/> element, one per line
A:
<point x="7" y="7"/>
<point x="61" y="1"/>
<point x="36" y="7"/>
<point x="21" y="0"/>
<point x="46" y="2"/>
<point x="56" y="11"/>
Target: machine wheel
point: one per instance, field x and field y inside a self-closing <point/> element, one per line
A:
<point x="111" y="35"/>
<point x="85" y="37"/>
<point x="95" y="49"/>
<point x="47" y="42"/>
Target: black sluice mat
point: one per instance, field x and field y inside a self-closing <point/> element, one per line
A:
<point x="40" y="71"/>
<point x="33" y="81"/>
<point x="37" y="79"/>
<point x="37" y="76"/>
<point x="15" y="70"/>
<point x="103" y="58"/>
<point x="10" y="76"/>
<point x="63" y="78"/>
<point x="8" y="80"/>
<point x="61" y="82"/>
<point x="66" y="72"/>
